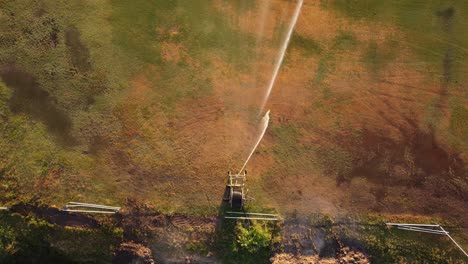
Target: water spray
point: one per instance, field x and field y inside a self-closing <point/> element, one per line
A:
<point x="282" y="53"/>
<point x="264" y="125"/>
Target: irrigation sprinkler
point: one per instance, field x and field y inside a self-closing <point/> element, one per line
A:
<point x="236" y="196"/>
<point x="76" y="207"/>
<point x="427" y="228"/>
<point x="235" y="193"/>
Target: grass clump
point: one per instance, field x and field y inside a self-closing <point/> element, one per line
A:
<point x="306" y="45"/>
<point x="289" y="152"/>
<point x="334" y="159"/>
<point x="435" y="30"/>
<point x="376" y="57"/>
<point x="141" y="26"/>
<point x="459" y="123"/>
<point x="345" y="40"/>
<point x="433" y="115"/>
<point x="325" y="66"/>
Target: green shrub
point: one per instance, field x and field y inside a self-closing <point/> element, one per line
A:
<point x="247" y="242"/>
<point x="253" y="239"/>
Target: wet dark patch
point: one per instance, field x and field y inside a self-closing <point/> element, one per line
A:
<point x="28" y="97"/>
<point x="410" y="162"/>
<point x="79" y="53"/>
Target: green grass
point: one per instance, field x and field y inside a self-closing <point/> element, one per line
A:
<point x="433" y="115"/>
<point x="322" y="71"/>
<point x="335" y="159"/>
<point x="291" y="155"/>
<point x="459" y="124"/>
<point x="27" y="153"/>
<point x="32" y="240"/>
<point x="326" y="66"/>
<point x="87" y="71"/>
<point x="389" y="245"/>
<point x="428" y="33"/>
<point x="87" y="78"/>
<point x="345" y="40"/>
<point x="242" y="6"/>
<point x="141" y="26"/>
<point x="288" y="152"/>
<point x="376" y="57"/>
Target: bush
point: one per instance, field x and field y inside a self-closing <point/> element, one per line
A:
<point x="253" y="239"/>
<point x="247" y="242"/>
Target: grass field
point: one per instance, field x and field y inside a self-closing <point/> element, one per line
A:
<point x="105" y="101"/>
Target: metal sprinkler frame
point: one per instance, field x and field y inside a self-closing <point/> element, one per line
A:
<point x="235" y="193"/>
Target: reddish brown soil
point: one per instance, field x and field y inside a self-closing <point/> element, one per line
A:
<point x="130" y="252"/>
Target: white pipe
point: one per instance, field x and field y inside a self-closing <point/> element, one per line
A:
<point x="94" y="206"/>
<point x="91" y="205"/>
<point x="424" y="231"/>
<point x="421" y="228"/>
<point x="251" y="213"/>
<point x="86" y="211"/>
<point x="455" y="242"/>
<point x="252" y="218"/>
<point x="398" y="224"/>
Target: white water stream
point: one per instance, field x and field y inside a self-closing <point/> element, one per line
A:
<point x="263" y="125"/>
<point x="279" y="61"/>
